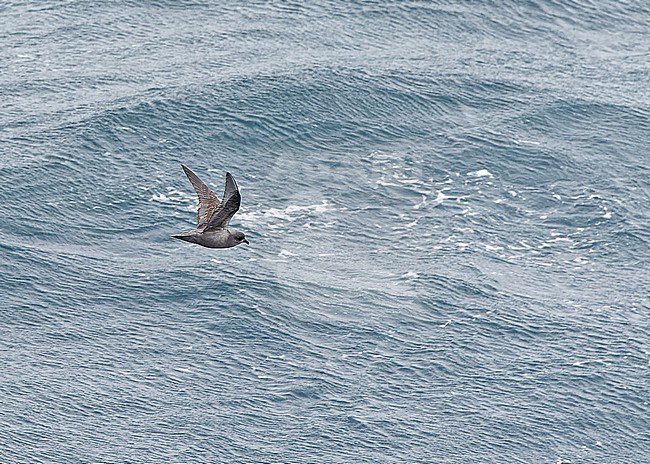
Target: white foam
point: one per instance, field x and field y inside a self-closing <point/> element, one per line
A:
<point x="383" y="183"/>
<point x="159" y="197"/>
<point x="171" y="195"/>
<point x="410" y="275"/>
<point x="278" y="214"/>
<point x="286" y="254"/>
<point x="286" y="213"/>
<point x="440" y="198"/>
<point x="480" y="173"/>
<point x="563" y="461"/>
<point x="318" y="208"/>
<point x="422" y="203"/>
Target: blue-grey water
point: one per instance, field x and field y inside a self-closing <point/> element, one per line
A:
<point x="448" y="208"/>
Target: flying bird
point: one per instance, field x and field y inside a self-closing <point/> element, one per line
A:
<point x="213" y="216"/>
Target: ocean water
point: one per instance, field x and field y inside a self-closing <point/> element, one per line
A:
<point x="448" y="208"/>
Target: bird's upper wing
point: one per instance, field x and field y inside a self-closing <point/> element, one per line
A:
<point x="229" y="205"/>
<point x="208" y="201"/>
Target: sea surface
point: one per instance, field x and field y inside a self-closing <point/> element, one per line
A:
<point x="448" y="209"/>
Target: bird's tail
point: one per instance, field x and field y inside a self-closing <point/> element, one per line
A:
<point x="187" y="236"/>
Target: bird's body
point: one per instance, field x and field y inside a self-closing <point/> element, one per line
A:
<point x="213" y="216"/>
<point x="221" y="238"/>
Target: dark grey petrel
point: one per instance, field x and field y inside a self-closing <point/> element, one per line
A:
<point x="213" y="216"/>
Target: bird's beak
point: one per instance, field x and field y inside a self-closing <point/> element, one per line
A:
<point x="246" y="242"/>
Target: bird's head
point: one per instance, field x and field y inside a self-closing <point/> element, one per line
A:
<point x="238" y="237"/>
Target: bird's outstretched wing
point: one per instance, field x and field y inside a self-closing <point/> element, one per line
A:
<point x="208" y="201"/>
<point x="229" y="205"/>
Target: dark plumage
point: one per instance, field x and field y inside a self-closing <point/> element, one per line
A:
<point x="213" y="216"/>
